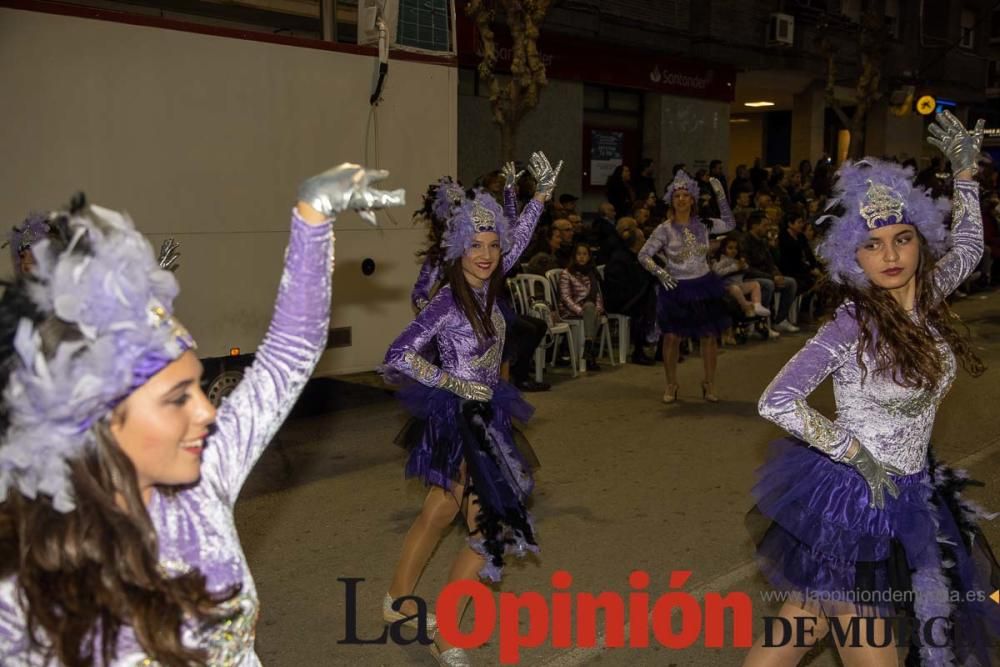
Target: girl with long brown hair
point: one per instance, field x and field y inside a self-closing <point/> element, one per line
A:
<point x="118" y="477"/>
<point x="861" y="526"/>
<point x="461" y="440"/>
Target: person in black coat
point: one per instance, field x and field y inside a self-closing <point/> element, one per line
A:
<point x="629" y="289"/>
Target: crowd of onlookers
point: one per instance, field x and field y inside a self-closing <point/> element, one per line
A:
<point x="768" y="262"/>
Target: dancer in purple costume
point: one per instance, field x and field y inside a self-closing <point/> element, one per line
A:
<point x="690" y="296"/>
<point x="118" y="544"/>
<point x="855" y="520"/>
<point x="461" y="439"/>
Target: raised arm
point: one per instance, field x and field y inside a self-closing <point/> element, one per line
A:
<point x="429" y="275"/>
<point x="654" y="244"/>
<point x="784" y="400"/>
<point x="545" y="178"/>
<point x="967" y="240"/>
<point x="510" y="175"/>
<point x="295" y="339"/>
<point x="961" y="147"/>
<point x="727" y="222"/>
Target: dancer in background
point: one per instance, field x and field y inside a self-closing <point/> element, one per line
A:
<point x="118" y="478"/>
<point x="461" y="439"/>
<point x="690" y="300"/>
<point x="860" y="522"/>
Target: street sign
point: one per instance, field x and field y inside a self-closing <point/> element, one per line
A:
<point x="926" y="105"/>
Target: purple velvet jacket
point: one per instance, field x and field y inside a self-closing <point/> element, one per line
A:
<point x="892" y="422"/>
<point x="195" y="526"/>
<point x="462" y="354"/>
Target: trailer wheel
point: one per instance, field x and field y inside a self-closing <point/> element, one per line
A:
<point x="222" y="385"/>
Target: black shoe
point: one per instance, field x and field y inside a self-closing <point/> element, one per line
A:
<point x="531" y="385"/>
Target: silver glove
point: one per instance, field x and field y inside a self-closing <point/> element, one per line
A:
<point x="960" y="146"/>
<point x="467" y="389"/>
<point x="876" y="475"/>
<point x="347" y="186"/>
<point x="544" y="174"/>
<point x="667" y="281"/>
<point x="720" y="192"/>
<point x="169" y="255"/>
<point x="510" y="175"/>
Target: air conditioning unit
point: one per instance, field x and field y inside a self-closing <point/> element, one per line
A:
<point x="414" y="25"/>
<point x="368" y="13"/>
<point x="781" y="30"/>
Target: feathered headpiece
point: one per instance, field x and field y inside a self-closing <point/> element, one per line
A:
<point x="35" y="228"/>
<point x="681" y="182"/>
<point x="108" y="284"/>
<point x="475" y="216"/>
<point x="448" y="195"/>
<point x="870" y="194"/>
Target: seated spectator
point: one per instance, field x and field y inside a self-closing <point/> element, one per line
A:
<point x="556" y="253"/>
<point x="741" y="183"/>
<point x="796" y="257"/>
<point x="731" y="267"/>
<point x="602" y="232"/>
<point x="580" y="298"/>
<point x="568" y="203"/>
<point x="763" y="269"/>
<point x="629" y="289"/>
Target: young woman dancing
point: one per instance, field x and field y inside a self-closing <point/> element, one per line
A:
<point x="461" y="439"/>
<point x="860" y="524"/>
<point x="118" y="478"/>
<point x="690" y="298"/>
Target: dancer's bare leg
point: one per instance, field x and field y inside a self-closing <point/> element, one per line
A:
<point x="865" y="655"/>
<point x="709" y="357"/>
<point x="789" y="654"/>
<point x="467" y="563"/>
<point x="439" y="510"/>
<point x="671" y="353"/>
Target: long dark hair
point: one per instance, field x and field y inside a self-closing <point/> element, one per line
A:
<point x="87" y="573"/>
<point x="902" y="347"/>
<point x="479" y="315"/>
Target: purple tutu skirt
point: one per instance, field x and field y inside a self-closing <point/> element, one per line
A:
<point x="920" y="556"/>
<point x="446" y="431"/>
<point x="696" y="308"/>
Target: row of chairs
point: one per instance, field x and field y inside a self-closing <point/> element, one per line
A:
<point x="536" y="296"/>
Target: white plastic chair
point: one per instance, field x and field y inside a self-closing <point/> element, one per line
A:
<point x="527" y="285"/>
<point x="576" y="324"/>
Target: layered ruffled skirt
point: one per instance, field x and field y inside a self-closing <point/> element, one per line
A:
<point x="445" y="431"/>
<point x="921" y="556"/>
<point x="696" y="308"/>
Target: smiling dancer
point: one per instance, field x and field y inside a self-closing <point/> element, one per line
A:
<point x="461" y="438"/>
<point x="860" y="522"/>
<point x="690" y="302"/>
<point x="117" y="539"/>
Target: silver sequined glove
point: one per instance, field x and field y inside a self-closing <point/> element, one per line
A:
<point x="876" y="475"/>
<point x="720" y="192"/>
<point x="347" y="186"/>
<point x="667" y="280"/>
<point x="467" y="389"/>
<point x="960" y="146"/>
<point x="510" y="175"/>
<point x="544" y="174"/>
<point x="169" y="255"/>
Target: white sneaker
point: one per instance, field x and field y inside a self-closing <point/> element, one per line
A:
<point x="786" y="327"/>
<point x="760" y="310"/>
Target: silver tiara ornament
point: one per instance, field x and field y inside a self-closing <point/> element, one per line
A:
<point x="881" y="206"/>
<point x="483" y="219"/>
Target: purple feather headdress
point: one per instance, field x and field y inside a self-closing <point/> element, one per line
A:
<point x="448" y="195"/>
<point x="475" y="216"/>
<point x="681" y="182"/>
<point x="108" y="284"/>
<point x="35" y="228"/>
<point x="872" y="194"/>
